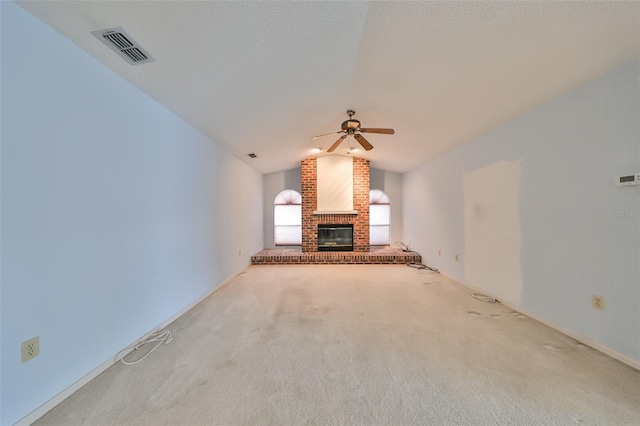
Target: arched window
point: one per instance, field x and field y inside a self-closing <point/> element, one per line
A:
<point x="287" y="218"/>
<point x="379" y="218"/>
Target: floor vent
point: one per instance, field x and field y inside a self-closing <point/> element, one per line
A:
<point x="124" y="45"/>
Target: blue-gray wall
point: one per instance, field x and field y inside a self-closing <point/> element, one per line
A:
<point x="116" y="214"/>
<point x="572" y="231"/>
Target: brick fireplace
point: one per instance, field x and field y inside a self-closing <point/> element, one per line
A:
<point x="354" y="212"/>
<point x="359" y="218"/>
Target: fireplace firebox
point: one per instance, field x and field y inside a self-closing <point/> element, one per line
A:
<point x="335" y="237"/>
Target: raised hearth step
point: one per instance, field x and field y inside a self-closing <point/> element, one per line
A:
<point x="377" y="255"/>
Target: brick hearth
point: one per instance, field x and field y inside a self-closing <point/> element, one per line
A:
<point x="377" y="255"/>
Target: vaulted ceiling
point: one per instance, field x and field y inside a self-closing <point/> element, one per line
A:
<point x="264" y="77"/>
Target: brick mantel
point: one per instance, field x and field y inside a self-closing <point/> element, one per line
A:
<point x="360" y="219"/>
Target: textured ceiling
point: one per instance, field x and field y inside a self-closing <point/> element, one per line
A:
<point x="265" y="77"/>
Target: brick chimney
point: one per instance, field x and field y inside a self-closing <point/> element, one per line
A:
<point x="360" y="219"/>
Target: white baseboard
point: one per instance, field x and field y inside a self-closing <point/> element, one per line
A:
<point x="49" y="405"/>
<point x="580" y="338"/>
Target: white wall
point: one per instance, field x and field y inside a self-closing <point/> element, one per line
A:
<point x="274" y="183"/>
<point x="116" y="213"/>
<point x="562" y="211"/>
<point x="391" y="184"/>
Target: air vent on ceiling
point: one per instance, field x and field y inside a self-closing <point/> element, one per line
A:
<point x="252" y="155"/>
<point x="124" y="45"/>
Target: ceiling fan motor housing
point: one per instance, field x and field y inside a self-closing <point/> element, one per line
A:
<point x="350" y="125"/>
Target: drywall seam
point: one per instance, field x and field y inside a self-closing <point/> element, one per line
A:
<point x="580" y="338"/>
<point x="492" y="234"/>
<point x="66" y="393"/>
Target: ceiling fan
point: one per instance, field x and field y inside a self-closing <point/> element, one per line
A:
<point x="352" y="127"/>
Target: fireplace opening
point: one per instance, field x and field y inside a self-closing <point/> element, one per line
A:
<point x="335" y="237"/>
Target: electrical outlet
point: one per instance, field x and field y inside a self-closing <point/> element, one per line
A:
<point x="439" y="252"/>
<point x="239" y="252"/>
<point x="457" y="258"/>
<point x="30" y="349"/>
<point x="597" y="302"/>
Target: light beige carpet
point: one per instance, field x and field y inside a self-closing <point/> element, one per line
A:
<point x="357" y="344"/>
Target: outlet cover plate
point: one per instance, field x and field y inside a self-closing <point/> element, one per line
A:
<point x="597" y="302"/>
<point x="30" y="349"/>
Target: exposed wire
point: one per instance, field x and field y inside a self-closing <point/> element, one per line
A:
<point x="483" y="298"/>
<point x="158" y="338"/>
<point x="405" y="247"/>
<point x="419" y="265"/>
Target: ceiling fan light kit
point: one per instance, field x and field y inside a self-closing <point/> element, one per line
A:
<point x="351" y="127"/>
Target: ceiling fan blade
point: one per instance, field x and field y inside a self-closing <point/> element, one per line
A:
<point x="383" y="131"/>
<point x="335" y="145"/>
<point x="326" y="134"/>
<point x="362" y="141"/>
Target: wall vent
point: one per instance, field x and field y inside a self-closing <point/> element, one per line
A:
<point x="124" y="45"/>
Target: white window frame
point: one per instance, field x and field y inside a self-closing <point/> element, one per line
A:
<point x="379" y="223"/>
<point x="287" y="218"/>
